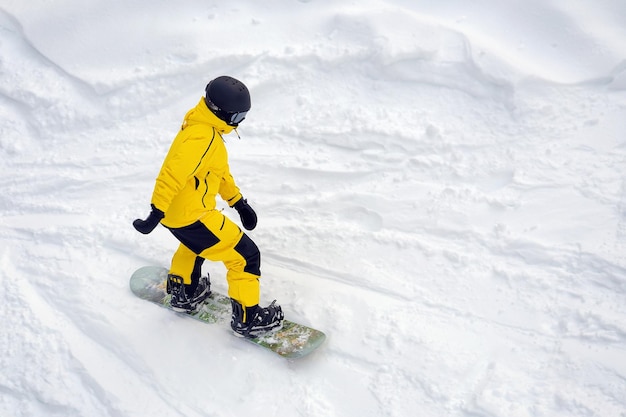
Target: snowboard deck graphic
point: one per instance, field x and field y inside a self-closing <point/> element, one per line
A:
<point x="293" y="340"/>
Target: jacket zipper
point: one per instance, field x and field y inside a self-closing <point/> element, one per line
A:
<point x="206" y="184"/>
<point x="206" y="191"/>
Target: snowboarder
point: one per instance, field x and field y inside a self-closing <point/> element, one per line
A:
<point x="193" y="172"/>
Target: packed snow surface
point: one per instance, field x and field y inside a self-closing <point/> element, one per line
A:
<point x="440" y="188"/>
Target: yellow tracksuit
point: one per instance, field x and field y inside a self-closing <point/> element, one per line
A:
<point x="194" y="171"/>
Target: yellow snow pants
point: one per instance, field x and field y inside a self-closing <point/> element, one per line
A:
<point x="216" y="238"/>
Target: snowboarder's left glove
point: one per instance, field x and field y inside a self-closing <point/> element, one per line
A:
<point x="148" y="225"/>
<point x="247" y="215"/>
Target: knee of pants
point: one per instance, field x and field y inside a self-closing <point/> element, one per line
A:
<point x="251" y="254"/>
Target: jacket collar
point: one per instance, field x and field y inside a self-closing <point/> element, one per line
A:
<point x="202" y="115"/>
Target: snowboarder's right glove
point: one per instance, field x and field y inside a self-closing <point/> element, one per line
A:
<point x="247" y="215"/>
<point x="148" y="225"/>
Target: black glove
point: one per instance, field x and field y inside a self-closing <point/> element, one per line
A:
<point x="247" y="215"/>
<point x="148" y="225"/>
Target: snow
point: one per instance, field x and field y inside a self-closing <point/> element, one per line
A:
<point x="440" y="189"/>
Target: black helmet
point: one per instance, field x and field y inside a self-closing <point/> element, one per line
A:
<point x="228" y="99"/>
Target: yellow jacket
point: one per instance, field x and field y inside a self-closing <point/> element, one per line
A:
<point x="195" y="170"/>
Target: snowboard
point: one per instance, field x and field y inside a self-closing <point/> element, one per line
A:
<point x="293" y="340"/>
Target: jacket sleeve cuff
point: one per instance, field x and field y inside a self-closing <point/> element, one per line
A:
<point x="231" y="202"/>
<point x="158" y="213"/>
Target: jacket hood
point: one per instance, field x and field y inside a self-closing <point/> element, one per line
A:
<point x="202" y="115"/>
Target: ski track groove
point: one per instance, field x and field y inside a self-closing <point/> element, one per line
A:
<point x="342" y="278"/>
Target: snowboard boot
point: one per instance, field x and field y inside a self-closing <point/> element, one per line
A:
<point x="258" y="320"/>
<point x="186" y="298"/>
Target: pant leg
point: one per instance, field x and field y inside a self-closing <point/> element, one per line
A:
<point x="217" y="238"/>
<point x="187" y="265"/>
<point x="243" y="262"/>
<point x="241" y="257"/>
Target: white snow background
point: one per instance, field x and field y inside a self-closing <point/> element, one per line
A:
<point x="440" y="188"/>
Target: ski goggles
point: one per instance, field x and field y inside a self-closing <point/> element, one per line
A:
<point x="231" y="119"/>
<point x="236" y="118"/>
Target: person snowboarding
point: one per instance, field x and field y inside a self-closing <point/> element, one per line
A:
<point x="194" y="171"/>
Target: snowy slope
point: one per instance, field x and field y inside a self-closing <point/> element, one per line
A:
<point x="440" y="188"/>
